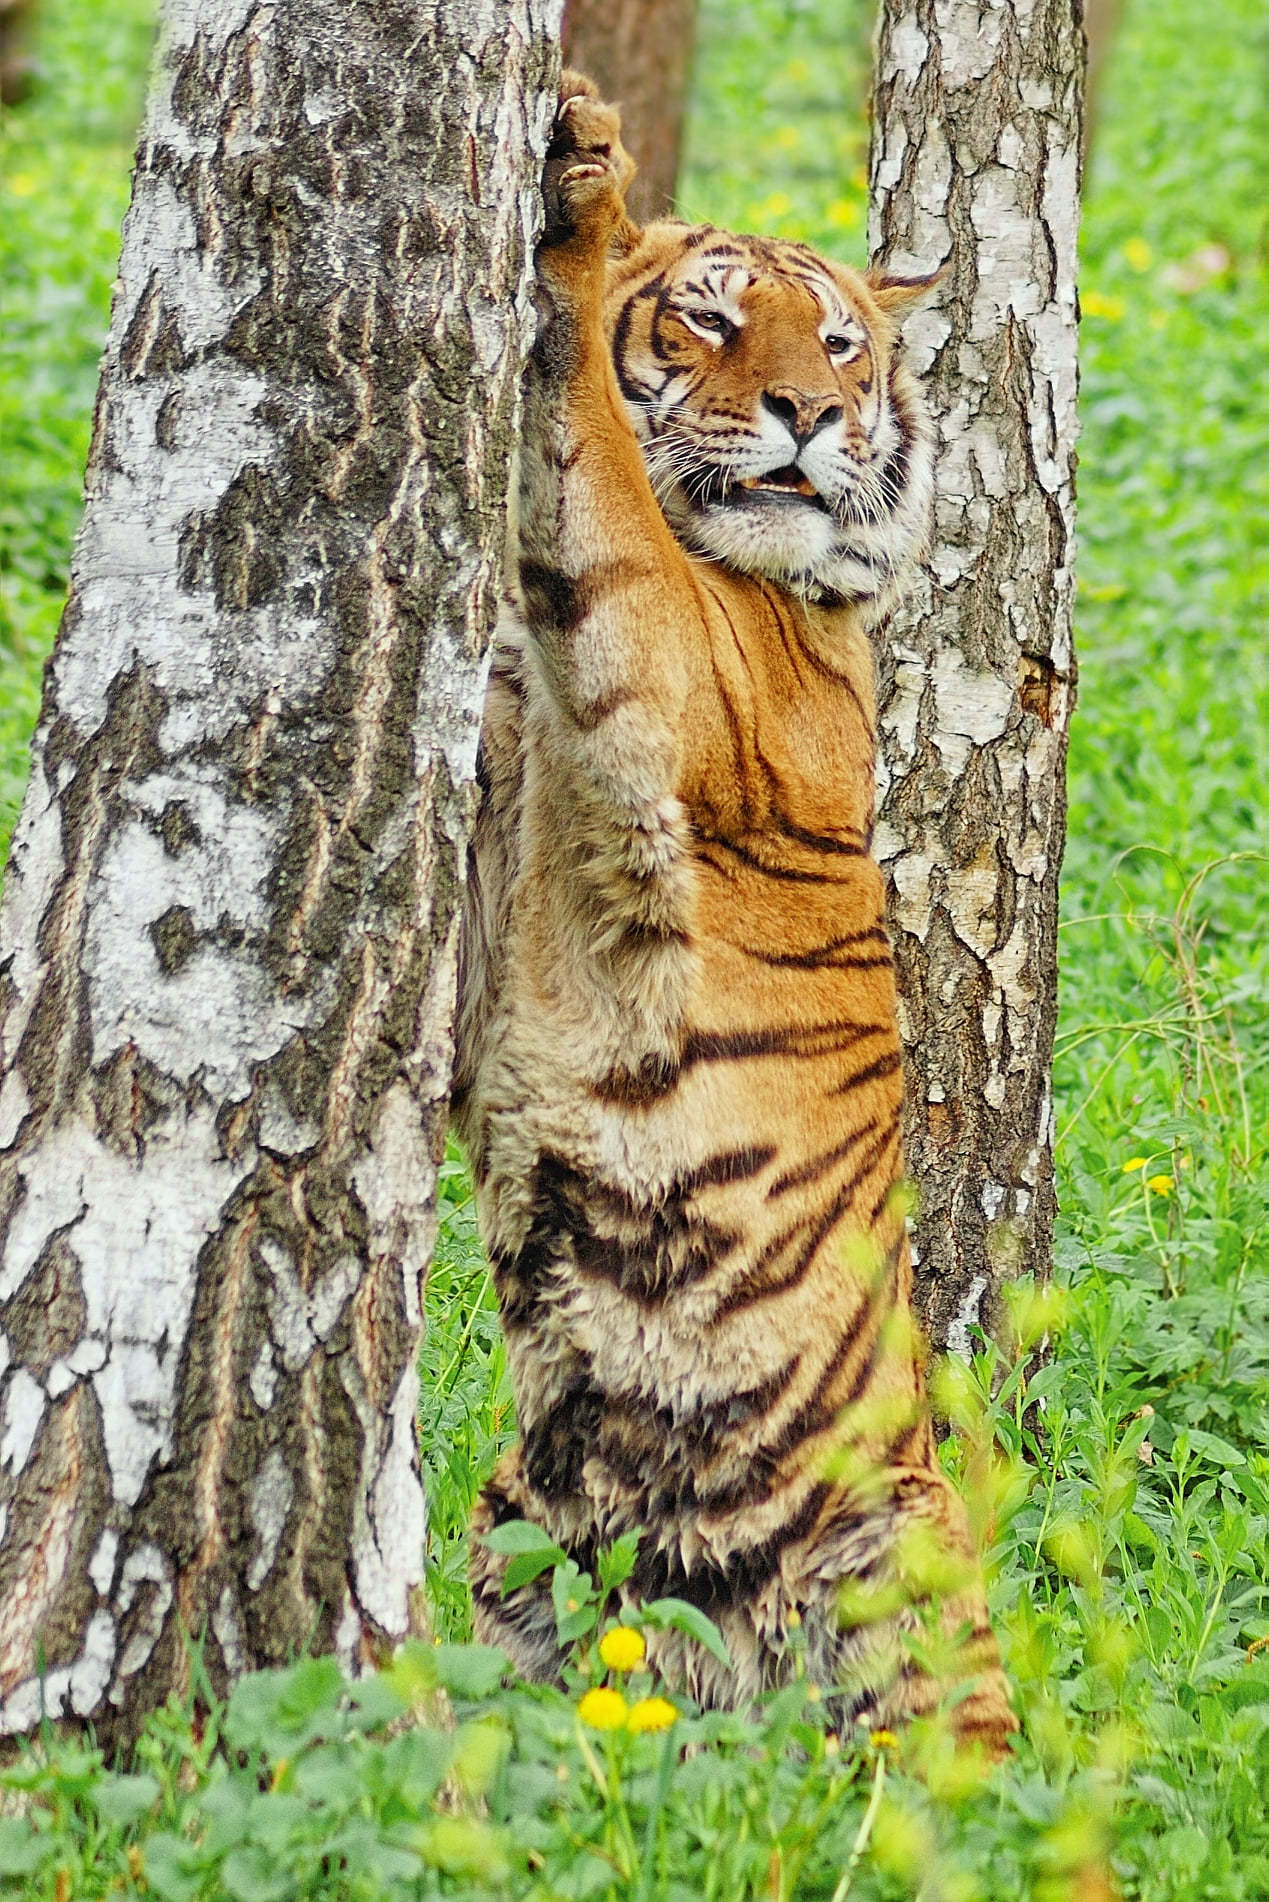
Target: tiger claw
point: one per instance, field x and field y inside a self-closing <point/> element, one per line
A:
<point x="587" y="168"/>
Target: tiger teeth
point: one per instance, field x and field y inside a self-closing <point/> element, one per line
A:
<point x="801" y="487"/>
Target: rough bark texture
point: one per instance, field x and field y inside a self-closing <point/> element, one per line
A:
<point x="639" y="53"/>
<point x="228" y="939"/>
<point x="975" y="166"/>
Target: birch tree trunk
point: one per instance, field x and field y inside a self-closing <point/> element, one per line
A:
<point x="975" y="165"/>
<point x="639" y="53"/>
<point x="228" y="938"/>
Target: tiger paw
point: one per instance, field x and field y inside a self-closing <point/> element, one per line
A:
<point x="587" y="167"/>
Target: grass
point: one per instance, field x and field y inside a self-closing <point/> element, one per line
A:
<point x="1124" y="1488"/>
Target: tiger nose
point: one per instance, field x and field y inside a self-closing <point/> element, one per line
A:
<point x="802" y="414"/>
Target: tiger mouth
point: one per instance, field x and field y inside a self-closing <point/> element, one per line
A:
<point x="777" y="485"/>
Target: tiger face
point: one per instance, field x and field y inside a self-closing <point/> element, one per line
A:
<point x="781" y="433"/>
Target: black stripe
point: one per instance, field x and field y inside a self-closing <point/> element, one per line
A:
<point x="895" y="473"/>
<point x="811" y="1417"/>
<point x="706" y="843"/>
<point x="752" y="1287"/>
<point x="551" y="596"/>
<point x="737" y="739"/>
<point x="884" y="1066"/>
<point x="673" y="1256"/>
<point x="819" y="841"/>
<point x="827" y="671"/>
<point x="740" y="1579"/>
<point x="818" y="1165"/>
<point x="809" y="1040"/>
<point x="593" y="714"/>
<point x="649" y="933"/>
<point x="647" y="1250"/>
<point x="554" y="1448"/>
<point x="818" y="961"/>
<point x="825" y="956"/>
<point x="880" y="1206"/>
<point x="621" y="334"/>
<point x="637" y="1086"/>
<point x="657" y="1075"/>
<point x="648" y="1445"/>
<point x="728" y="1165"/>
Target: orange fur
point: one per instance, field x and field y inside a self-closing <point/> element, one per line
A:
<point x="679" y="1075"/>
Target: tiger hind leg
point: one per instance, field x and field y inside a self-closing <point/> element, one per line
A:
<point x="523" y="1622"/>
<point x="911" y="1636"/>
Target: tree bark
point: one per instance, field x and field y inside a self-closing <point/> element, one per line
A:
<point x="227" y="951"/>
<point x="639" y="53"/>
<point x="975" y="166"/>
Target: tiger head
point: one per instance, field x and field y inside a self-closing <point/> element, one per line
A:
<point x="781" y="432"/>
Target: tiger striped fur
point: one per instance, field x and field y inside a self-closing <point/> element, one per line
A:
<point x="679" y="1071"/>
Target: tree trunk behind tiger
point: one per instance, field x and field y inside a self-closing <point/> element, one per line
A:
<point x="640" y="53"/>
<point x="975" y="167"/>
<point x="679" y="1073"/>
<point x="229" y="931"/>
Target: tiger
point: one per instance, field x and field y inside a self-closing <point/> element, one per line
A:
<point x="678" y="1076"/>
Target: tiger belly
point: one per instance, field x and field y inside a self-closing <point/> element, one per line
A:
<point x="704" y="1294"/>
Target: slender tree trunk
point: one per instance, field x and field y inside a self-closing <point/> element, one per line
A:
<point x="975" y="166"/>
<point x="639" y="53"/>
<point x="1101" y="25"/>
<point x="228" y="940"/>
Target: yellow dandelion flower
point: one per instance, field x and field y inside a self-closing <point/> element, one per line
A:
<point x="1133" y="1164"/>
<point x="622" y="1649"/>
<point x="1138" y="254"/>
<point x="651" y="1713"/>
<point x="843" y="214"/>
<point x="884" y="1740"/>
<point x="603" y="1709"/>
<point x="1160" y="1185"/>
<point x="1097" y="304"/>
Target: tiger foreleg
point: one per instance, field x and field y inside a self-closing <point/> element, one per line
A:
<point x="604" y="587"/>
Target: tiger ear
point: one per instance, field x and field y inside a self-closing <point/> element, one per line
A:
<point x="896" y="293"/>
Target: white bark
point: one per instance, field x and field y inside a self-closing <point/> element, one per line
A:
<point x="228" y="939"/>
<point x="975" y="167"/>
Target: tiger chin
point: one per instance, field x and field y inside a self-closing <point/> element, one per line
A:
<point x="679" y="1077"/>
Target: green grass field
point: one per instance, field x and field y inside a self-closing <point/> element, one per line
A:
<point x="1130" y="1551"/>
